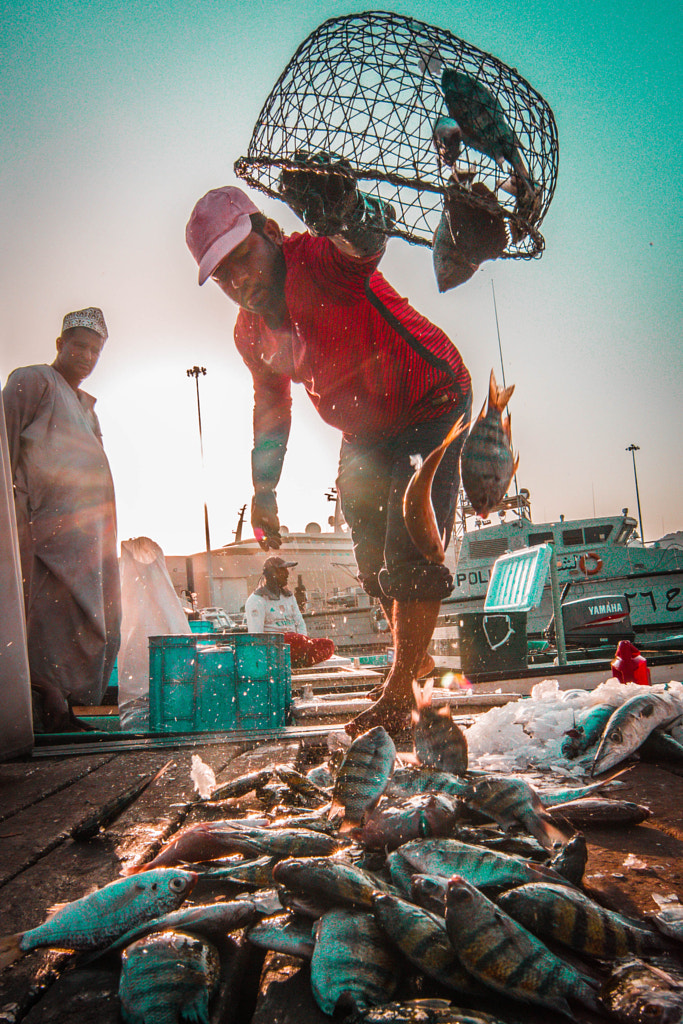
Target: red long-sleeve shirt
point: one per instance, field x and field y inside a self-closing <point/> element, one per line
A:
<point x="371" y="364"/>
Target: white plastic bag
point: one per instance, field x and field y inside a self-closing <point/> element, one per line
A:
<point x="150" y="607"/>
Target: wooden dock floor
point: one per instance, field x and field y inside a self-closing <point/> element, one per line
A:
<point x="43" y="798"/>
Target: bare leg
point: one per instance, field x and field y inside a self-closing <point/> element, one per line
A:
<point x="427" y="664"/>
<point x="413" y="625"/>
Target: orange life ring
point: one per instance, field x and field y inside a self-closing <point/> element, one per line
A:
<point x="595" y="568"/>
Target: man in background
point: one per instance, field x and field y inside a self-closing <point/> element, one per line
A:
<point x="66" y="519"/>
<point x="273" y="608"/>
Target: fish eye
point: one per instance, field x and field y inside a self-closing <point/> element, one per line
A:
<point x="177" y="884"/>
<point x="616" y="736"/>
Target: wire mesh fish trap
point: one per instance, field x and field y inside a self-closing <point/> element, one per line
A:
<point x="369" y="88"/>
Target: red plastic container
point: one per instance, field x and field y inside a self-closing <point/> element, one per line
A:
<point x="629" y="666"/>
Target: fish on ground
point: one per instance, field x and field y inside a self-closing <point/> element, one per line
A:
<point x="418" y="510"/>
<point x="571" y="918"/>
<point x="168" y="977"/>
<point x="669" y="920"/>
<point x="208" y="921"/>
<point x="352" y="966"/>
<point x="284" y="933"/>
<point x="586" y="731"/>
<point x="513" y="802"/>
<point x="90" y="826"/>
<point x="419" y="817"/>
<point x="505" y="956"/>
<point x="482" y="867"/>
<point x="439" y="742"/>
<point x="636" y="992"/>
<point x="95" y="920"/>
<point x="333" y="881"/>
<point x="487" y="464"/>
<point x="631" y="724"/>
<point x="242" y="786"/>
<point x="422" y="937"/>
<point x="407" y="782"/>
<point x="421" y="1011"/>
<point x="363" y="776"/>
<point x="598" y="811"/>
<point x="207" y="841"/>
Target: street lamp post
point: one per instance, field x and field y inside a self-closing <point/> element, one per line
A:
<point x="633" y="448"/>
<point x="195" y="371"/>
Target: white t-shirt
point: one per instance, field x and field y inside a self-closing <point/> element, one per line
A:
<point x="274" y="614"/>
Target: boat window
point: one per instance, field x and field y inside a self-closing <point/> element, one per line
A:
<point x="488" y="547"/>
<point x="597" y="534"/>
<point x="571" y="538"/>
<point x="540" y="538"/>
<point x="625" y="531"/>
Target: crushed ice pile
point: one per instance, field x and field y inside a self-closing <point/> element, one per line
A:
<point x="529" y="732"/>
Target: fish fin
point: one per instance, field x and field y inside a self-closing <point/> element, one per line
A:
<point x="516" y="465"/>
<point x="507" y="427"/>
<point x="10" y="949"/>
<point x="499" y="397"/>
<point x="545" y="830"/>
<point x="482" y="414"/>
<point x="444" y="710"/>
<point x="347" y="825"/>
<point x="456" y="430"/>
<point x="54" y="909"/>
<point x="337" y="809"/>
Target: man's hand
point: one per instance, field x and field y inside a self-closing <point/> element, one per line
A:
<point x="264" y="520"/>
<point x="323" y="193"/>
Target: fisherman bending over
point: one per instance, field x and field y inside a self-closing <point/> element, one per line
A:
<point x="315" y="310"/>
<point x="273" y="608"/>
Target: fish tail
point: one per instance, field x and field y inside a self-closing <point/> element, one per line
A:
<point x="545" y="830"/>
<point x="10" y="949"/>
<point x="499" y="397"/>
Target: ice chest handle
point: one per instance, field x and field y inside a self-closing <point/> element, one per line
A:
<point x="517" y="580"/>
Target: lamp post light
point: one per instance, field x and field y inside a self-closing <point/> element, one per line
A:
<point x="633" y="448"/>
<point x="195" y="371"/>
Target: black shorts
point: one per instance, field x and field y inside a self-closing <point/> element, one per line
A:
<point x="372" y="481"/>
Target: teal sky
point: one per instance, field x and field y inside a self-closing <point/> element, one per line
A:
<point x="118" y="116"/>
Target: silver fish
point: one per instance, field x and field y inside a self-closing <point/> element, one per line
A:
<point x="212" y="922"/>
<point x="586" y="731"/>
<point x="439" y="742"/>
<point x="284" y="933"/>
<point x="598" y="811"/>
<point x="631" y="724"/>
<point x="168" y="977"/>
<point x="352" y="965"/>
<point x="506" y="957"/>
<point x="487" y="464"/>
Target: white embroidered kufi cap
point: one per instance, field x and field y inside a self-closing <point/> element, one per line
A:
<point x="92" y="318"/>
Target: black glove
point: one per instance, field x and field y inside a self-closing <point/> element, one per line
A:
<point x="264" y="520"/>
<point x="323" y="193"/>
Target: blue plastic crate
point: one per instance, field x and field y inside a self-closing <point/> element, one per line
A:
<point x="517" y="580"/>
<point x="212" y="682"/>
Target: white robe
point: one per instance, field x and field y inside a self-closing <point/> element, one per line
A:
<point x="66" y="517"/>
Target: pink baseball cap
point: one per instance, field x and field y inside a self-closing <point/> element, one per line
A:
<point x="218" y="223"/>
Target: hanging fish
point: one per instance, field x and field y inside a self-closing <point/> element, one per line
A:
<point x="439" y="742"/>
<point x="506" y="957"/>
<point x="418" y="510"/>
<point x="168" y="977"/>
<point x="447" y="139"/>
<point x="482" y="122"/>
<point x="470" y="231"/>
<point x="487" y="464"/>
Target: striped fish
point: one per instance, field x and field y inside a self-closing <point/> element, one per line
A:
<point x="413" y="781"/>
<point x="168" y="977"/>
<point x="487" y="464"/>
<point x="423" y="939"/>
<point x="573" y="919"/>
<point x="513" y="802"/>
<point x="481" y="867"/>
<point x="508" y="958"/>
<point x="439" y="742"/>
<point x="284" y="933"/>
<point x="363" y="776"/>
<point x="419" y="817"/>
<point x="352" y="966"/>
<point x="331" y="881"/>
<point x="429" y="891"/>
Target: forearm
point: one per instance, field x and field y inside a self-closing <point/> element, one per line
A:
<point x="272" y="422"/>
